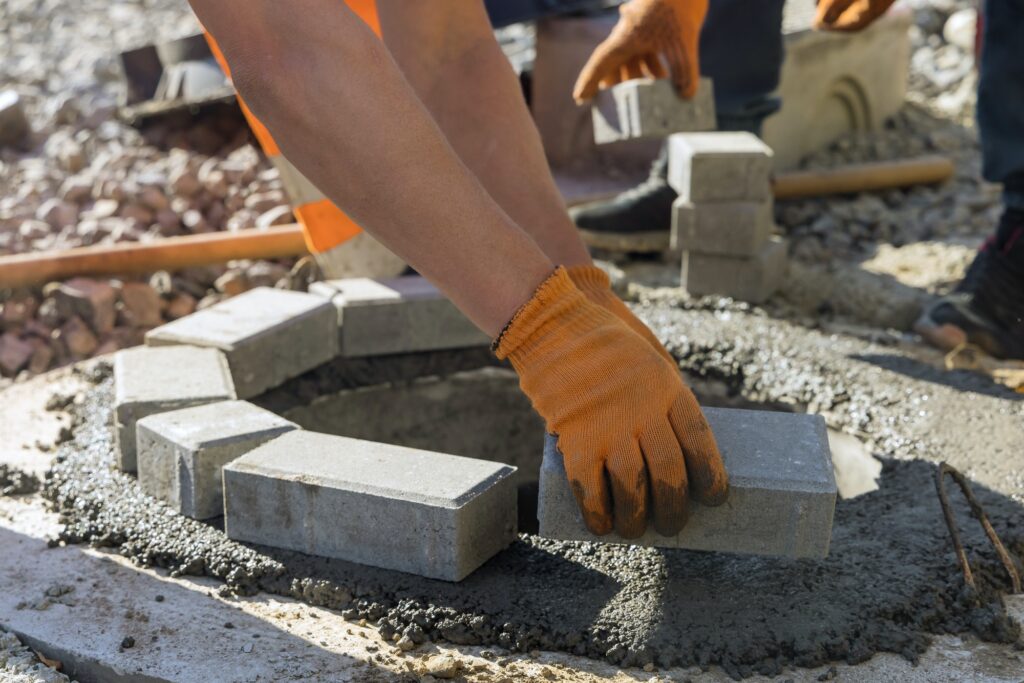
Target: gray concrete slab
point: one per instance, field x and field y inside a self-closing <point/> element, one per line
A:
<point x="148" y="381"/>
<point x="268" y="335"/>
<point x="650" y="108"/>
<point x="719" y="166"/>
<point x="781" y="500"/>
<point x="432" y="514"/>
<point x="398" y="315"/>
<point x="733" y="228"/>
<point x="751" y="279"/>
<point x="181" y="452"/>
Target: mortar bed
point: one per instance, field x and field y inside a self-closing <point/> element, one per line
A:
<point x="889" y="583"/>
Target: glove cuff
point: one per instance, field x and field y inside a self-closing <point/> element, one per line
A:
<point x="552" y="300"/>
<point x="589" y="278"/>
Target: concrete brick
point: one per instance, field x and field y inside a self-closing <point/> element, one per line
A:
<point x="399" y="315"/>
<point x="751" y="279"/>
<point x="148" y="381"/>
<point x="268" y="335"/>
<point x="728" y="228"/>
<point x="650" y="108"/>
<point x="781" y="500"/>
<point x="181" y="452"/>
<point x="432" y="514"/>
<point x="717" y="167"/>
<point x="833" y="84"/>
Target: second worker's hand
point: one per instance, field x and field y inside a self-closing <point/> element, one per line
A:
<point x="649" y="35"/>
<point x="634" y="441"/>
<point x="848" y="15"/>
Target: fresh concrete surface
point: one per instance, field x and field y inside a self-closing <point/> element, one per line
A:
<point x="181" y="452"/>
<point x="650" y="108"/>
<point x="398" y="315"/>
<point x="734" y="228"/>
<point x="431" y="514"/>
<point x="268" y="335"/>
<point x="782" y="491"/>
<point x="719" y="166"/>
<point x="751" y="279"/>
<point x="181" y="637"/>
<point x="154" y="380"/>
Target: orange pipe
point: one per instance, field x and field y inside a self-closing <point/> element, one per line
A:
<point x="134" y="258"/>
<point x="881" y="175"/>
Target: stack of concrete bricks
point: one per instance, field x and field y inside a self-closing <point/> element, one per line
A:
<point x="180" y="425"/>
<point x="722" y="220"/>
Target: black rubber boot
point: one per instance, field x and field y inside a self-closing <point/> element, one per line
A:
<point x="639" y="219"/>
<point x="987" y="308"/>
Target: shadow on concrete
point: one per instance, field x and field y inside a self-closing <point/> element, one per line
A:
<point x="890" y="581"/>
<point x="960" y="380"/>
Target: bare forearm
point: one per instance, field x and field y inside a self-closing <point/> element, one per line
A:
<point x="341" y="111"/>
<point x="448" y="53"/>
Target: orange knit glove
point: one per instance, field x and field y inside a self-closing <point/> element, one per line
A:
<point x="648" y="31"/>
<point x="848" y="15"/>
<point x="594" y="282"/>
<point x="630" y="431"/>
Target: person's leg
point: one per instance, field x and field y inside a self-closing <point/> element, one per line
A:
<point x="744" y="80"/>
<point x="448" y="53"/>
<point x="987" y="309"/>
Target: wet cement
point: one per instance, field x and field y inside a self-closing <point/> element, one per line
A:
<point x="890" y="582"/>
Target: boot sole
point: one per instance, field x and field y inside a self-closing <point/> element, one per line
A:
<point x="643" y="242"/>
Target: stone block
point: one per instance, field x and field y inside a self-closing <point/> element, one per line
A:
<point x="718" y="167"/>
<point x="782" y="490"/>
<point x="752" y="279"/>
<point x="268" y="335"/>
<point x="181" y="452"/>
<point x="833" y="84"/>
<point x="432" y="514"/>
<point x="148" y="381"/>
<point x="728" y="228"/>
<point x="650" y="108"/>
<point x="399" y="315"/>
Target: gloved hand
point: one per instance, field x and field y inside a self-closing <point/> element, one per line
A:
<point x="648" y="30"/>
<point x="594" y="283"/>
<point x="630" y="431"/>
<point x="848" y="15"/>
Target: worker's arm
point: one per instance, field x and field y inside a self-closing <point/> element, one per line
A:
<point x="448" y="53"/>
<point x="342" y="112"/>
<point x="649" y="35"/>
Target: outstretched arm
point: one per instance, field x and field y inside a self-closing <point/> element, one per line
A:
<point x="448" y="53"/>
<point x="342" y="112"/>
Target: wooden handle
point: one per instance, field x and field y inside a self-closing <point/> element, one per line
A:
<point x="134" y="258"/>
<point x="855" y="178"/>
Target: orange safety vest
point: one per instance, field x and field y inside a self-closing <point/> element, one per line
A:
<point x="324" y="225"/>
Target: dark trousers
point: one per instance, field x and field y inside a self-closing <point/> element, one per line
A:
<point x="1001" y="98"/>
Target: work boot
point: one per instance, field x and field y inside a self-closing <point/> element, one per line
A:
<point x="987" y="307"/>
<point x="639" y="219"/>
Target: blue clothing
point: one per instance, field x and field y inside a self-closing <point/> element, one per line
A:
<point x="1001" y="98"/>
<point x="741" y="51"/>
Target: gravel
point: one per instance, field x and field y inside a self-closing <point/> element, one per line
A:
<point x="18" y="664"/>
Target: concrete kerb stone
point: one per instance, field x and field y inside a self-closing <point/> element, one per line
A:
<point x="268" y="335"/>
<point x="719" y="166"/>
<point x="650" y="108"/>
<point x="154" y="380"/>
<point x="432" y="514"/>
<point x="782" y="490"/>
<point x="736" y="228"/>
<point x="398" y="315"/>
<point x="752" y="279"/>
<point x="181" y="452"/>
